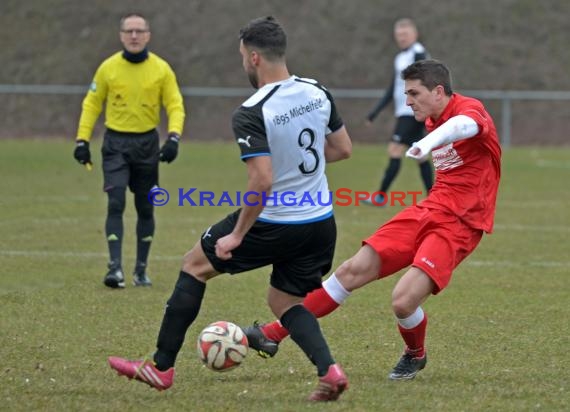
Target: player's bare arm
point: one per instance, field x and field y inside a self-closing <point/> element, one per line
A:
<point x="338" y="145"/>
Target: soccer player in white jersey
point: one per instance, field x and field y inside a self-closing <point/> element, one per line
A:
<point x="286" y="132"/>
<point x="407" y="130"/>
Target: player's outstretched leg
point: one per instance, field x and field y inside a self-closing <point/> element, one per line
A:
<point x="256" y="339"/>
<point x="143" y="371"/>
<point x="181" y="310"/>
<point x="265" y="339"/>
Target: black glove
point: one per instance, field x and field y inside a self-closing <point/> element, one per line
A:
<point x="169" y="149"/>
<point x="82" y="153"/>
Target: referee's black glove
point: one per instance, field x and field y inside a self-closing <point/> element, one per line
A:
<point x="169" y="149"/>
<point x="82" y="153"/>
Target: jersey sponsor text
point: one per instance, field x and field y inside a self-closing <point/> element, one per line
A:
<point x="446" y="158"/>
<point x="299" y="110"/>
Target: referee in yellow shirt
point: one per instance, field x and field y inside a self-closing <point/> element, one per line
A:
<point x="133" y="84"/>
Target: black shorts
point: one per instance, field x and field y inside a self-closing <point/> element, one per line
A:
<point x="300" y="254"/>
<point x="130" y="159"/>
<point x="408" y="130"/>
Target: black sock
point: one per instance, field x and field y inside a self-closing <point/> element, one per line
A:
<point x="305" y="331"/>
<point x="390" y="173"/>
<point x="114" y="223"/>
<point x="145" y="228"/>
<point x="181" y="310"/>
<point x="143" y="249"/>
<point x="427" y="174"/>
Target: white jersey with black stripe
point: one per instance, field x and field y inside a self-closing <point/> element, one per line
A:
<point x="402" y="60"/>
<point x="289" y="121"/>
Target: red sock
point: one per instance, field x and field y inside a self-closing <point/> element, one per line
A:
<point x="317" y="302"/>
<point x="415" y="338"/>
<point x="275" y="331"/>
<point x="320" y="303"/>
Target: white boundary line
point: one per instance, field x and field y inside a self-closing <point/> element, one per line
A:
<point x="533" y="228"/>
<point x="82" y="255"/>
<point x="524" y="203"/>
<point x="509" y="263"/>
<point x="552" y="164"/>
<point x="562" y="228"/>
<point x="94" y="255"/>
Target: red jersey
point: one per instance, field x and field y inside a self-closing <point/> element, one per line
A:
<point x="467" y="171"/>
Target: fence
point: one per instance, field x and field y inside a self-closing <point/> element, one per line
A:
<point x="506" y="97"/>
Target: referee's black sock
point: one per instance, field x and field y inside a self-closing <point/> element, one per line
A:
<point x="390" y="173"/>
<point x="145" y="229"/>
<point x="306" y="332"/>
<point x="181" y="310"/>
<point x="114" y="223"/>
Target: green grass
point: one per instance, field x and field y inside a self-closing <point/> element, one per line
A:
<point x="498" y="336"/>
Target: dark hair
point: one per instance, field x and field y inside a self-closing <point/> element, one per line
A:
<point x="431" y="73"/>
<point x="126" y="16"/>
<point x="266" y="35"/>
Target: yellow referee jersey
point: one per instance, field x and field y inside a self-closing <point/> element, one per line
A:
<point x="133" y="94"/>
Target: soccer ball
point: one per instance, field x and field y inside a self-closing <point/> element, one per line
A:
<point x="222" y="346"/>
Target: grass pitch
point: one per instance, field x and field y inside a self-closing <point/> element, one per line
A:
<point x="497" y="338"/>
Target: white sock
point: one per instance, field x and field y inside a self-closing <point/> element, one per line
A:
<point x="335" y="290"/>
<point x="413" y="320"/>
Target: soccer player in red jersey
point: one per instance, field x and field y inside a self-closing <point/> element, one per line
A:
<point x="432" y="237"/>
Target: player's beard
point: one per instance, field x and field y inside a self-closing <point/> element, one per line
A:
<point x="253" y="79"/>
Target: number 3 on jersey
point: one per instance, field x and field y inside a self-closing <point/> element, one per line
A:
<point x="306" y="141"/>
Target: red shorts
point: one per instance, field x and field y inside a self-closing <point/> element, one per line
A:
<point x="432" y="240"/>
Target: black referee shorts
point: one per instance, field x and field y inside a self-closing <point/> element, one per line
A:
<point x="130" y="159"/>
<point x="408" y="130"/>
<point x="300" y="254"/>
